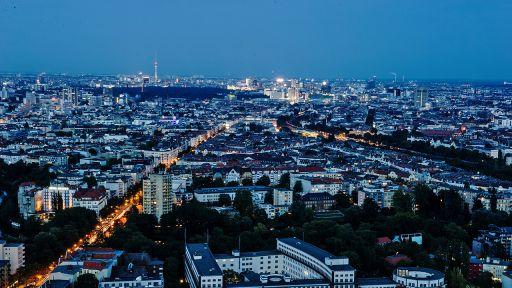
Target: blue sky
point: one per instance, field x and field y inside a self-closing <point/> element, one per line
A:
<point x="421" y="39"/>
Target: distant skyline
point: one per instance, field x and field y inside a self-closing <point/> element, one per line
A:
<point x="456" y="39"/>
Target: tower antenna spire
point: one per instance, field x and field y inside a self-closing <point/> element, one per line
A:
<point x="156" y="67"/>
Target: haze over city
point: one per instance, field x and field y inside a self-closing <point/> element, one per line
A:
<point x="250" y="144"/>
<point x="461" y="39"/>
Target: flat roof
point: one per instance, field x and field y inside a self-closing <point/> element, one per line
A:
<point x="231" y="189"/>
<point x="206" y="266"/>
<point x="249" y="254"/>
<point x="315" y="252"/>
<point x="434" y="274"/>
<point x="376" y="281"/>
<point x="253" y="280"/>
<point x="308" y="248"/>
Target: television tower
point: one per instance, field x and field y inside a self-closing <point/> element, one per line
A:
<point x="156" y="69"/>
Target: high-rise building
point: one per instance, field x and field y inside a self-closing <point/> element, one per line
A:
<point x="157" y="194"/>
<point x="14" y="253"/>
<point x="421" y="97"/>
<point x="31" y="98"/>
<point x="156" y="70"/>
<point x="292" y="95"/>
<point x="371" y="83"/>
<point x="4" y="92"/>
<point x="96" y="100"/>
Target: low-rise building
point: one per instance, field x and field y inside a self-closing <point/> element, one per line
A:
<point x="211" y="195"/>
<point x="294" y="263"/>
<point x="418" y="277"/>
<point x="93" y="199"/>
<point x="495" y="266"/>
<point x="318" y="201"/>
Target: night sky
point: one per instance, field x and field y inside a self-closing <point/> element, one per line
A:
<point x="435" y="39"/>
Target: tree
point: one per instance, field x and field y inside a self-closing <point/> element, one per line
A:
<point x="494" y="200"/>
<point x="86" y="280"/>
<point x="158" y="133"/>
<point x="247" y="182"/>
<point x="477" y="204"/>
<point x="224" y="200"/>
<point x="297" y="190"/>
<point x="370" y="210"/>
<point x="342" y="200"/>
<point x="173" y="272"/>
<point x="485" y="279"/>
<point x="300" y="214"/>
<point x="260" y="216"/>
<point x="218" y="182"/>
<point x="232" y="184"/>
<point x="427" y="202"/>
<point x="403" y="202"/>
<point x="57" y="202"/>
<point x="452" y="206"/>
<point x="269" y="197"/>
<point x="455" y="278"/>
<point x="91" y="181"/>
<point x="243" y="202"/>
<point x="232" y="277"/>
<point x="284" y="181"/>
<point x="263" y="181"/>
<point x="201" y="182"/>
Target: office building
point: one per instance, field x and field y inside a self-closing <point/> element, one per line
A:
<point x="421" y="97"/>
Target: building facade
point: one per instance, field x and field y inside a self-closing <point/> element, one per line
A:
<point x="158" y="197"/>
<point x="14" y="253"/>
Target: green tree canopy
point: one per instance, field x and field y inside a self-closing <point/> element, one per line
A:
<point x="263" y="181"/>
<point x="402" y="201"/>
<point x="86" y="280"/>
<point x="243" y="202"/>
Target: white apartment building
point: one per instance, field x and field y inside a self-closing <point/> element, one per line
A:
<point x="201" y="269"/>
<point x="93" y="199"/>
<point x="30" y="199"/>
<point x="273" y="173"/>
<point x="282" y="197"/>
<point x="53" y="159"/>
<point x="162" y="157"/>
<point x="319" y="185"/>
<point x="298" y="263"/>
<point x="14" y="253"/>
<point x="158" y="197"/>
<point x="66" y="192"/>
<point x="418" y="277"/>
<point x="211" y="195"/>
<point x="116" y="186"/>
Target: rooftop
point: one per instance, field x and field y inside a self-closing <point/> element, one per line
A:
<point x="203" y="260"/>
